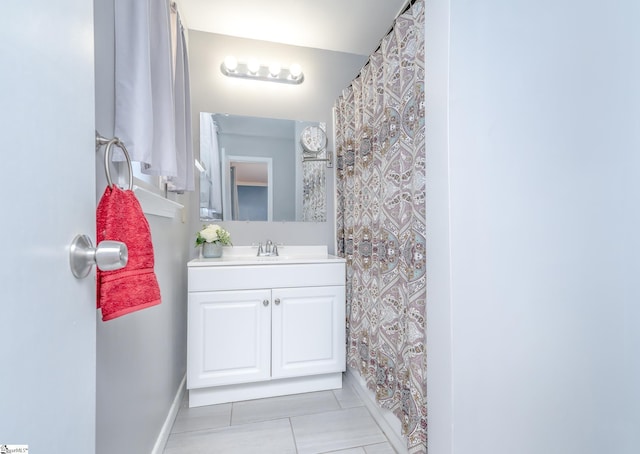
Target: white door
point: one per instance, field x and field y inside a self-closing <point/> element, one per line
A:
<point x="229" y="337"/>
<point x="308" y="331"/>
<point x="47" y="192"/>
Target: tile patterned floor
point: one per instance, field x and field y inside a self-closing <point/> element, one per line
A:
<point x="334" y="422"/>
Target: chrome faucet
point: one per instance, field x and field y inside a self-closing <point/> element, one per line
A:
<point x="270" y="249"/>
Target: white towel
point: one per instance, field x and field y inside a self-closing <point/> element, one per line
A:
<point x="210" y="154"/>
<point x="183" y="181"/>
<point x="145" y="109"/>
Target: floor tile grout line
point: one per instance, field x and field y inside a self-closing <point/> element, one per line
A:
<point x="304" y="413"/>
<point x="385" y="440"/>
<point x="293" y="435"/>
<point x="235" y="426"/>
<point x="335" y="401"/>
<point x="333" y="393"/>
<point x="381" y="431"/>
<point x="344" y="449"/>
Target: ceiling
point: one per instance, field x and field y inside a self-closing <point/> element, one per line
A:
<point x="251" y="173"/>
<point x="351" y="26"/>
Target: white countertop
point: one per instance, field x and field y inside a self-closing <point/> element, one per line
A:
<point x="247" y="255"/>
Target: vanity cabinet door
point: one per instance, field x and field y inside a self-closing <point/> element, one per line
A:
<point x="229" y="337"/>
<point x="308" y="331"/>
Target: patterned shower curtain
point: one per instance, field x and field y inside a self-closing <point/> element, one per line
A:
<point x="380" y="146"/>
<point x="314" y="202"/>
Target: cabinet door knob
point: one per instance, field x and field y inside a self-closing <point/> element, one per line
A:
<point x="277" y="301"/>
<point x="265" y="303"/>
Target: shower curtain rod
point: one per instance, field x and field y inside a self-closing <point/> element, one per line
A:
<point x="407" y="5"/>
<point x="404" y="9"/>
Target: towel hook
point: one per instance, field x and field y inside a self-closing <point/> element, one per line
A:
<point x="107" y="157"/>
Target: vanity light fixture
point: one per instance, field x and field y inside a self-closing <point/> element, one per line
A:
<point x="252" y="69"/>
<point x="231" y="63"/>
<point x="275" y="69"/>
<point x="253" y="66"/>
<point x="295" y="70"/>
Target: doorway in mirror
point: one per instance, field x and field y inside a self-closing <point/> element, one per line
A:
<point x="294" y="191"/>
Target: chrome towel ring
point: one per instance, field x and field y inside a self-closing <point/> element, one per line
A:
<point x="107" y="157"/>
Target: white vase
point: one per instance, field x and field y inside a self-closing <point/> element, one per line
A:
<point x="211" y="250"/>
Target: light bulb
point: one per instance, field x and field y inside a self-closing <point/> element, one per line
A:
<point x="274" y="69"/>
<point x="231" y="63"/>
<point x="253" y="66"/>
<point x="295" y="70"/>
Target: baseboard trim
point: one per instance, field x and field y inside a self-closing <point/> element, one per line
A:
<point x="380" y="415"/>
<point x="163" y="436"/>
<point x="214" y="395"/>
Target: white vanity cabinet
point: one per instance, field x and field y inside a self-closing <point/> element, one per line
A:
<point x="264" y="329"/>
<point x="229" y="337"/>
<point x="308" y="331"/>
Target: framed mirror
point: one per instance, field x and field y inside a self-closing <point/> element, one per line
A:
<point x="257" y="169"/>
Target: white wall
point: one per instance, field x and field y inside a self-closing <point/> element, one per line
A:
<point x="326" y="74"/>
<point x="439" y="370"/>
<point x="141" y="357"/>
<point x="534" y="195"/>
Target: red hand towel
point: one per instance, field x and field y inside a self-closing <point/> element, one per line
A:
<point x="119" y="217"/>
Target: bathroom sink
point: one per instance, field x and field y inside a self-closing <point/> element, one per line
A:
<point x="247" y="255"/>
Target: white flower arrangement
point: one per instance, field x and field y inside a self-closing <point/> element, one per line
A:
<point x="213" y="233"/>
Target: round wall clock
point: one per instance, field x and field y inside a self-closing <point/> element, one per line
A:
<point x="313" y="139"/>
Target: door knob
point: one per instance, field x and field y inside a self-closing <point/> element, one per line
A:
<point x="265" y="303"/>
<point x="277" y="301"/>
<point x="108" y="256"/>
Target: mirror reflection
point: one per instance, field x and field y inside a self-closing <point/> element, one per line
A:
<point x="255" y="169"/>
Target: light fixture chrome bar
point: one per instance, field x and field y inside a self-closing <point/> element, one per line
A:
<point x="263" y="74"/>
